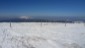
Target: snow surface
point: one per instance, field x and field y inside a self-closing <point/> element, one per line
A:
<point x="42" y="35"/>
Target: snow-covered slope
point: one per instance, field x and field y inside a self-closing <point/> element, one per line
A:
<point x="42" y="35"/>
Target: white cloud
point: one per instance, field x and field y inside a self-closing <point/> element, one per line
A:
<point x="25" y="17"/>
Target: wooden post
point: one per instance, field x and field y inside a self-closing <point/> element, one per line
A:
<point x="10" y="24"/>
<point x="66" y="22"/>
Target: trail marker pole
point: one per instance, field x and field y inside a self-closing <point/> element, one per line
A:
<point x="10" y="24"/>
<point x="66" y="22"/>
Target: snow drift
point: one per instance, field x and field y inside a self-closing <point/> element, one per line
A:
<point x="42" y="35"/>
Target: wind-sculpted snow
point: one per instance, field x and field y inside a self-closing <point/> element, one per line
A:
<point x="42" y="35"/>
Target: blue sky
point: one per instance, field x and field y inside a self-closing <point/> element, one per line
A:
<point x="42" y="7"/>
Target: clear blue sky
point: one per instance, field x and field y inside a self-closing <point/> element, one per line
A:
<point x="42" y="7"/>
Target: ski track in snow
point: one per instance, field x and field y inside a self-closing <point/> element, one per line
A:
<point x="42" y="35"/>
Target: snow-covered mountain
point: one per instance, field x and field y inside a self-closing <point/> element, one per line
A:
<point x="43" y="19"/>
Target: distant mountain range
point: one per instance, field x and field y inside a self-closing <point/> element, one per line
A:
<point x="43" y="19"/>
